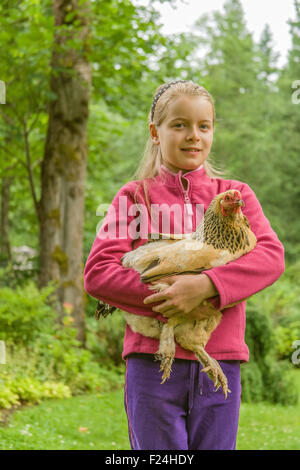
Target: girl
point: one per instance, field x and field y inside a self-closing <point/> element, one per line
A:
<point x="184" y="413"/>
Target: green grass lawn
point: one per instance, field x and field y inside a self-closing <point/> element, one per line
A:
<point x="82" y="422"/>
<point x="270" y="427"/>
<point x="99" y="422"/>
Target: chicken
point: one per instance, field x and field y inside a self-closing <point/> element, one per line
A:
<point x="223" y="235"/>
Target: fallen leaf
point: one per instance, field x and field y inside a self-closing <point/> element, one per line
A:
<point x="82" y="429"/>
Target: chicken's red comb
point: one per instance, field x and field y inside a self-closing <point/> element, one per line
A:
<point x="237" y="194"/>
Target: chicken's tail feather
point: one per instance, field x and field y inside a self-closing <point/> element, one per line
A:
<point x="103" y="309"/>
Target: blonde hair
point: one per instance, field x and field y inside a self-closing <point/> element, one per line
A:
<point x="151" y="161"/>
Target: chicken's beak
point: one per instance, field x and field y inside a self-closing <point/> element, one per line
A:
<point x="240" y="202"/>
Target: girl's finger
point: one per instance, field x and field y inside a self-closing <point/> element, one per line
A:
<point x="166" y="280"/>
<point x="170" y="313"/>
<point x="161" y="308"/>
<point x="155" y="298"/>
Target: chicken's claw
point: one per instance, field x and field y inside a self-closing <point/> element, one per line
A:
<point x="215" y="373"/>
<point x="218" y="378"/>
<point x="165" y="365"/>
<point x="166" y="352"/>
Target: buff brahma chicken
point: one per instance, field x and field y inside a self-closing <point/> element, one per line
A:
<point x="223" y="235"/>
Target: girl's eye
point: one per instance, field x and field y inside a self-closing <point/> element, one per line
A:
<point x="179" y="124"/>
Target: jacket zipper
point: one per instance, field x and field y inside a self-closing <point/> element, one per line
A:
<point x="188" y="209"/>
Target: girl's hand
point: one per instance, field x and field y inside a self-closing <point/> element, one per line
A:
<point x="185" y="294"/>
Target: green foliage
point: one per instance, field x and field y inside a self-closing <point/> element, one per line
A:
<point x="12" y="275"/>
<point x="264" y="379"/>
<point x="121" y="52"/>
<point x="105" y="338"/>
<point x="22" y="390"/>
<point x="278" y="383"/>
<point x="44" y="358"/>
<point x="70" y="363"/>
<point x="24" y="313"/>
<point x="259" y="334"/>
<point x="281" y="304"/>
<point x="7" y="397"/>
<point x="285" y="336"/>
<point x="252" y="383"/>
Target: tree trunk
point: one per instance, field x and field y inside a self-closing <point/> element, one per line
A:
<point x="64" y="162"/>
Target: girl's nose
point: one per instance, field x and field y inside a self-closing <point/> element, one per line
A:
<point x="194" y="134"/>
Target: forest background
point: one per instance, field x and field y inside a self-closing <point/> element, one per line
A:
<point x="80" y="76"/>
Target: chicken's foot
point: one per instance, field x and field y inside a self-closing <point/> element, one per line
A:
<point x="166" y="351"/>
<point x="213" y="369"/>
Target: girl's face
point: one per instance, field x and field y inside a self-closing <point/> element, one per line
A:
<point x="186" y="135"/>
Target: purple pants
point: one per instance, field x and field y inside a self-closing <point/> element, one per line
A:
<point x="184" y="413"/>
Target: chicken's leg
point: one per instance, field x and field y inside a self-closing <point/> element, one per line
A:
<point x="166" y="351"/>
<point x="212" y="369"/>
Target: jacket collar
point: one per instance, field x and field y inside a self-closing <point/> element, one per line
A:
<point x="196" y="177"/>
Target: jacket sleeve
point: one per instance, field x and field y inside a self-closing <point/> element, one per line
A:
<point x="104" y="276"/>
<point x="256" y="270"/>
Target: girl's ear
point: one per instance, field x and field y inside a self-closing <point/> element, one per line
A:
<point x="153" y="133"/>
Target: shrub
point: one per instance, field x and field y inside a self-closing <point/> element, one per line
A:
<point x="44" y="358"/>
<point x="278" y="383"/>
<point x="105" y="337"/>
<point x="286" y="333"/>
<point x="24" y="313"/>
<point x="264" y="378"/>
<point x="281" y="306"/>
<point x="7" y="397"/>
<point x="252" y="383"/>
<point x="29" y="390"/>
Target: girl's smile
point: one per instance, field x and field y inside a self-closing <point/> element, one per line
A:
<point x="186" y="134"/>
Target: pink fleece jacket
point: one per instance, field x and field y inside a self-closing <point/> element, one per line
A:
<point x="124" y="229"/>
